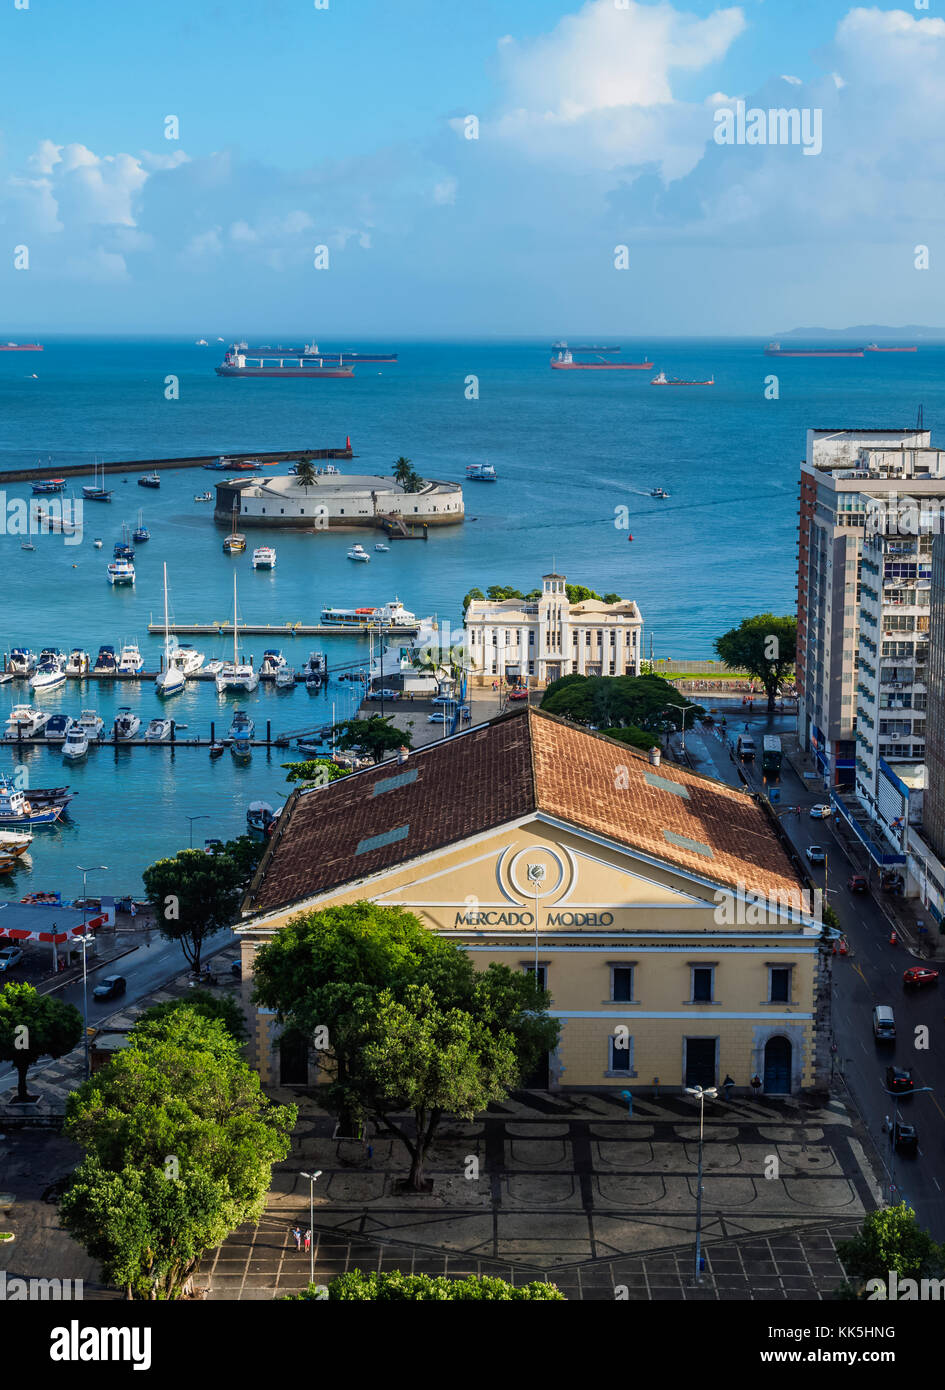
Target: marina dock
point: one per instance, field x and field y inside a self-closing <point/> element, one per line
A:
<point x="77" y="470"/>
<point x="281" y="630"/>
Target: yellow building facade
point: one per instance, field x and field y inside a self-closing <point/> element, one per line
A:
<point x="661" y="908"/>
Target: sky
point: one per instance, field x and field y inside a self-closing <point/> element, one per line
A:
<point x="345" y="125"/>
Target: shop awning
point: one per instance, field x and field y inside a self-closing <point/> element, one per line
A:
<point x="44" y="922"/>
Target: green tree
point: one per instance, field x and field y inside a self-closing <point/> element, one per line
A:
<point x="636" y="738"/>
<point x="314" y="771"/>
<point x="245" y="852"/>
<point x="612" y="598"/>
<point x="497" y="593"/>
<point x="642" y="702"/>
<point x="891" y="1239"/>
<point x="193" y="896"/>
<point x="764" y="646"/>
<point x="180" y="1141"/>
<point x="403" y="472"/>
<point x="372" y="738"/>
<point x="578" y="593"/>
<point x="34" y="1025"/>
<point x="473" y="594"/>
<point x="305" y="474"/>
<point x="224" y="1007"/>
<point x="397" y="1287"/>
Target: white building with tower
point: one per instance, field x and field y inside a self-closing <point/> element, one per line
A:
<point x="537" y="641"/>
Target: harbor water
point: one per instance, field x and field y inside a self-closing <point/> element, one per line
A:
<point x="574" y="452"/>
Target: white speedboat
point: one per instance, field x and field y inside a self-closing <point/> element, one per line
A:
<point x="381" y="546"/>
<point x="236" y="674"/>
<point x="242" y="727"/>
<point x="481" y="473"/>
<point x="121" y="572"/>
<point x="57" y="728"/>
<point x="214" y="667"/>
<point x="48" y="676"/>
<point x="127" y="724"/>
<point x="357" y="552"/>
<point x="25" y="722"/>
<point x="158" y="731"/>
<point x="92" y="723"/>
<point x="78" y="663"/>
<point x="97" y="543"/>
<point x="22" y="661"/>
<point x="272" y="662"/>
<point x="285" y="678"/>
<point x="188" y="658"/>
<point x="76" y="745"/>
<point x="130" y="662"/>
<point x="264" y="558"/>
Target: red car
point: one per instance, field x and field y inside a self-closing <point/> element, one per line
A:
<point x="919" y="975"/>
<point x="518" y="694"/>
<point x="856" y="883"/>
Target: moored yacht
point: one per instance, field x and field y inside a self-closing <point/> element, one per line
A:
<point x="78" y="663"/>
<point x="236" y="674"/>
<point x="22" y="661"/>
<point x="121" y="572"/>
<point x="158" y="731"/>
<point x="105" y="663"/>
<point x="264" y="558"/>
<point x="50" y="673"/>
<point x="242" y="727"/>
<point x="76" y="745"/>
<point x="131" y="662"/>
<point x="285" y="678"/>
<point x="25" y="722"/>
<point x="272" y="662"/>
<point x="127" y="723"/>
<point x="357" y="552"/>
<point x="57" y="728"/>
<point x="91" y="723"/>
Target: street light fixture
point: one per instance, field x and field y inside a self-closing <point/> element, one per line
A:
<point x="312" y="1180"/>
<point x="702" y="1094"/>
<point x="191" y="819"/>
<point x="892" y="1132"/>
<point x="686" y="709"/>
<point x="84" y="939"/>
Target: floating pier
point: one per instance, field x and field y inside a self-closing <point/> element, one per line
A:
<point x="284" y="630"/>
<point x="76" y="470"/>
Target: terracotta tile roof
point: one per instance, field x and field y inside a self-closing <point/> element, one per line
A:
<point x="518" y="763"/>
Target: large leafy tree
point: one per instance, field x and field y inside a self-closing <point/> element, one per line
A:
<point x="314" y="771"/>
<point x="224" y="1007"/>
<point x="180" y="1143"/>
<point x="398" y="1287"/>
<point x="891" y="1239"/>
<point x="372" y="738"/>
<point x="764" y="646"/>
<point x="34" y="1025"/>
<point x="403" y="1018"/>
<point x="612" y="702"/>
<point x="194" y="895"/>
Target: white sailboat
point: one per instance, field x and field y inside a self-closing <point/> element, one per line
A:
<point x="170" y="681"/>
<point x="236" y="674"/>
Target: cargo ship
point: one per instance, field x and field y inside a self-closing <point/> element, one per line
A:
<point x="592" y="347"/>
<point x="661" y="379"/>
<point x="776" y="350"/>
<point x="874" y="347"/>
<point x="21" y="347"/>
<point x="236" y="363"/>
<point x="564" y="362"/>
<point x="313" y="350"/>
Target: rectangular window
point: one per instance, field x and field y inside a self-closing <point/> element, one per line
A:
<point x="542" y="974"/>
<point x="702" y="984"/>
<point x="621" y="983"/>
<point x="620" y="1053"/>
<point x="779" y="984"/>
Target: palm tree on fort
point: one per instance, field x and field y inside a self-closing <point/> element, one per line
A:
<point x="403" y="473"/>
<point x="305" y="473"/>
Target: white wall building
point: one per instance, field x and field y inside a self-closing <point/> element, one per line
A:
<point x="539" y="641"/>
<point x="333" y="500"/>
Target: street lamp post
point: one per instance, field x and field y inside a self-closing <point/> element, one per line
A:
<point x="892" y="1134"/>
<point x="191" y="819"/>
<point x="686" y="709"/>
<point x="93" y="868"/>
<point x="700" y="1093"/>
<point x="312" y="1180"/>
<point x="535" y="873"/>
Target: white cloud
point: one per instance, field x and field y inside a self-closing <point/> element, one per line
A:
<point x="444" y="192"/>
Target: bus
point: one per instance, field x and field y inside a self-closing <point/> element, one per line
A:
<point x="771" y="757"/>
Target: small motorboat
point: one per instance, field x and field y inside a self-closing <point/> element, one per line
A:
<point x="22" y="661"/>
<point x="241" y="750"/>
<point x="14" y="843"/>
<point x="213" y="668"/>
<point x="27" y="545"/>
<point x="313" y="746"/>
<point x="379" y="545"/>
<point x="242" y="727"/>
<point x="259" y="816"/>
<point x="658" y="492"/>
<point x="126" y="725"/>
<point x="158" y="731"/>
<point x="217" y="750"/>
<point x="357" y="552"/>
<point x="272" y="662"/>
<point x="78" y="663"/>
<point x="76" y="745"/>
<point x="92" y="723"/>
<point x="25" y="722"/>
<point x="50" y="673"/>
<point x="203" y="496"/>
<point x="149" y="480"/>
<point x="285" y="678"/>
<point x="131" y="662"/>
<point x="57" y="728"/>
<point x="97" y="543"/>
<point x="264" y="558"/>
<point x="105" y="663"/>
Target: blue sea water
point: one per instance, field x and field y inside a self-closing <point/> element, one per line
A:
<point x="570" y="449"/>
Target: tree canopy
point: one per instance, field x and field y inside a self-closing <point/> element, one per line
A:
<point x="305" y="473"/>
<point x="891" y="1239"/>
<point x="401" y="1018"/>
<point x="372" y="738"/>
<point x="224" y="1007"/>
<point x="196" y="894"/>
<point x="764" y="646"/>
<point x="34" y="1025"/>
<point x="405" y="474"/>
<point x="397" y="1287"/>
<point x="577" y="593"/>
<point x="644" y="703"/>
<point x="180" y="1143"/>
<point x="315" y="772"/>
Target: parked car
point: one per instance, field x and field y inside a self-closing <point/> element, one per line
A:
<point x="919" y="975"/>
<point x="905" y="1138"/>
<point x="110" y="988"/>
<point x="438" y="716"/>
<point x="384" y="694"/>
<point x="821" y="811"/>
<point x="518" y="694"/>
<point x="816" y="854"/>
<point x="856" y="883"/>
<point x="10" y="956"/>
<point x="899" y="1079"/>
<point x="443" y="700"/>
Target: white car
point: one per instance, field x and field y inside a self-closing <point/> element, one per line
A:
<point x="820" y="812"/>
<point x="439" y="716"/>
<point x="444" y="700"/>
<point x="383" y="694"/>
<point x="9" y="957"/>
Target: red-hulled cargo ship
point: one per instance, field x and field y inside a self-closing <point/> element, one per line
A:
<point x="564" y="362"/>
<point x="776" y="350"/>
<point x="21" y="347"/>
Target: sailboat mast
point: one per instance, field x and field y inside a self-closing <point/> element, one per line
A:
<point x="167" y="634"/>
<point x="234" y="621"/>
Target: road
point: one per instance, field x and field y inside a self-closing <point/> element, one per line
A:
<point x="871" y="974"/>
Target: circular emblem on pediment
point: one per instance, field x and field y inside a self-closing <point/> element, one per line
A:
<point x="537" y="871"/>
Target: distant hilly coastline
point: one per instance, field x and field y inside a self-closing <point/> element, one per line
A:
<point x="870" y="333"/>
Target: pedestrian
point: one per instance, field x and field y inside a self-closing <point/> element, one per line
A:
<point x="728" y="1084"/>
<point x="756" y="1083"/>
<point x="297" y="1233"/>
<point x="133" y="910"/>
<point x="308" y="1241"/>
